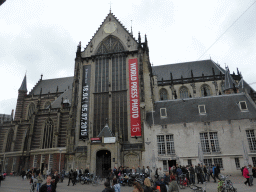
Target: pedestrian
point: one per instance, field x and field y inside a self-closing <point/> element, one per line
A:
<point x="162" y="185"/>
<point x="70" y="175"/>
<point x="137" y="187"/>
<point x="147" y="184"/>
<point x="156" y="174"/>
<point x="1" y="178"/>
<point x="116" y="186"/>
<point x="44" y="172"/>
<point x="192" y="174"/>
<point x="107" y="187"/>
<point x="39" y="181"/>
<point x="251" y="175"/>
<point x="246" y="176"/>
<point x="173" y="186"/>
<point x="48" y="186"/>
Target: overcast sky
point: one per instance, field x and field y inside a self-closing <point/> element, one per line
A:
<point x="41" y="37"/>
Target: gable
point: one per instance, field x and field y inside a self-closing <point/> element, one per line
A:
<point x="110" y="27"/>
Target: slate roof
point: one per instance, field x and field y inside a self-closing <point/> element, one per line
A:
<point x="184" y="69"/>
<point x="106" y="132"/>
<point x="218" y="108"/>
<point x="66" y="95"/>
<point x="50" y="85"/>
<point x="23" y="86"/>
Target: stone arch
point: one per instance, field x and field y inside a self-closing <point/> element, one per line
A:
<point x="205" y="90"/>
<point x="163" y="94"/>
<point x="111" y="44"/>
<point x="184" y="92"/>
<point x="31" y="110"/>
<point x="131" y="159"/>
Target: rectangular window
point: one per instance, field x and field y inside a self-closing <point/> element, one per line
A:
<point x="208" y="162"/>
<point x="209" y="142"/>
<point x="165" y="165"/>
<point x="243" y="106"/>
<point x="205" y="142"/>
<point x="163" y="113"/>
<point x="160" y="144"/>
<point x="237" y="162"/>
<point x="201" y="109"/>
<point x="13" y="163"/>
<point x="170" y="145"/>
<point x="189" y="162"/>
<point x="218" y="161"/>
<point x="251" y="140"/>
<point x="35" y="161"/>
<point x="254" y="161"/>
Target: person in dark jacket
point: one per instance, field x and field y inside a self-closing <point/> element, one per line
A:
<point x="162" y="185"/>
<point x="48" y="186"/>
<point x="108" y="188"/>
<point x="192" y="175"/>
<point x="70" y="175"/>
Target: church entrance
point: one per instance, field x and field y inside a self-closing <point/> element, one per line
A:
<point x="103" y="163"/>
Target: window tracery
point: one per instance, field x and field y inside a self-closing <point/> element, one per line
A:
<point x="163" y="94"/>
<point x="184" y="92"/>
<point x="48" y="134"/>
<point x="9" y="141"/>
<point x="205" y="90"/>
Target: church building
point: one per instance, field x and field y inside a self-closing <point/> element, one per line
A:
<point x="119" y="110"/>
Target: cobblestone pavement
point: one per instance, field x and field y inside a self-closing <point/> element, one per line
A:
<point x="15" y="184"/>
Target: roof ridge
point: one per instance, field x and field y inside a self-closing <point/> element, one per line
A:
<point x="181" y="63"/>
<point x="110" y="13"/>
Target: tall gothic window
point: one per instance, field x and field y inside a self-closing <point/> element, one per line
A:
<point x="163" y="94"/>
<point x="205" y="90"/>
<point x="31" y="109"/>
<point x="110" y="76"/>
<point x="9" y="141"/>
<point x="184" y="92"/>
<point x="48" y="134"/>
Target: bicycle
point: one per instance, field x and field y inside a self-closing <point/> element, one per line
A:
<point x="197" y="189"/>
<point x="95" y="181"/>
<point x="182" y="181"/>
<point x="225" y="185"/>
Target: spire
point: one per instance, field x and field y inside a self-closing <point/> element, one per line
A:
<point x="23" y="86"/>
<point x="78" y="52"/>
<point x="229" y="81"/>
<point x="131" y="28"/>
<point x="139" y="38"/>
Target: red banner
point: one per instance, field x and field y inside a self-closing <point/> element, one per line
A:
<point x="134" y="98"/>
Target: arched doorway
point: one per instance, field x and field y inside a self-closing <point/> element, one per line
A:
<point x="103" y="163"/>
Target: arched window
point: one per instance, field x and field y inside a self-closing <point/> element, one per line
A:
<point x="163" y="94"/>
<point x="31" y="109"/>
<point x="110" y="45"/>
<point x="48" y="134"/>
<point x="47" y="105"/>
<point x="222" y="87"/>
<point x="9" y="141"/>
<point x="205" y="90"/>
<point x="184" y="92"/>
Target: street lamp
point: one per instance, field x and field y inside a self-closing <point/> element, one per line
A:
<point x="60" y="159"/>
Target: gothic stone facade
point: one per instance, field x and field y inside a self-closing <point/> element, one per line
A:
<point x="117" y="109"/>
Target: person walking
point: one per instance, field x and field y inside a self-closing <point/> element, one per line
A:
<point x="246" y="176"/>
<point x="156" y="174"/>
<point x="39" y="181"/>
<point x="116" y="186"/>
<point x="251" y="175"/>
<point x="70" y="175"/>
<point x="1" y="178"/>
<point x="48" y="186"/>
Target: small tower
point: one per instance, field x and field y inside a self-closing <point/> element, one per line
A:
<point x="20" y="101"/>
<point x="230" y="85"/>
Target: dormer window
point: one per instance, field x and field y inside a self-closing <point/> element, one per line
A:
<point x="201" y="109"/>
<point x="243" y="106"/>
<point x="163" y="112"/>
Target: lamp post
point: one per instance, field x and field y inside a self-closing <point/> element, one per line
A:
<point x="60" y="159"/>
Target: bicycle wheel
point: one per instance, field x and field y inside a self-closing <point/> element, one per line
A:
<point x="82" y="182"/>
